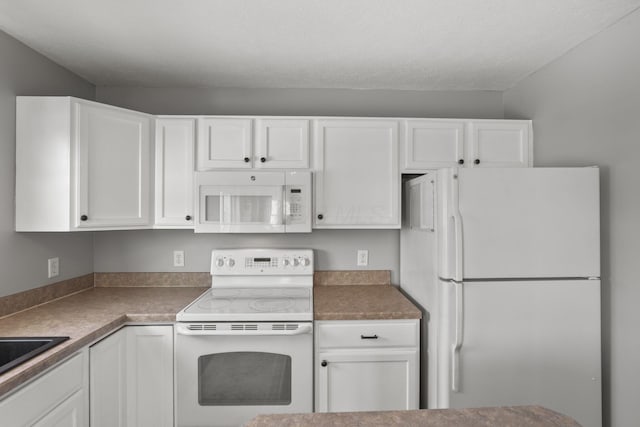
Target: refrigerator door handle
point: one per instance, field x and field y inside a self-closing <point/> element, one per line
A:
<point x="458" y="249"/>
<point x="459" y="334"/>
<point x="457" y="228"/>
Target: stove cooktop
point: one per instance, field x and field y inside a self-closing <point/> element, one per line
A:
<point x="250" y="304"/>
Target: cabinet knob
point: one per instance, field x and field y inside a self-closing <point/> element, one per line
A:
<point x="476" y="161"/>
<point x="461" y="162"/>
<point x="188" y="217"/>
<point x="263" y="159"/>
<point x="246" y="160"/>
<point x="320" y="216"/>
<point x="323" y="363"/>
<point x="84" y="218"/>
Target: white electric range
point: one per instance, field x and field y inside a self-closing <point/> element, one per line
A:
<point x="246" y="345"/>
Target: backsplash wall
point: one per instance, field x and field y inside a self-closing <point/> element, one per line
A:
<point x="152" y="250"/>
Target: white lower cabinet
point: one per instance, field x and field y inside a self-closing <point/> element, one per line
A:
<point x="56" y="398"/>
<point x="131" y="377"/>
<point x="367" y="365"/>
<point x="70" y="413"/>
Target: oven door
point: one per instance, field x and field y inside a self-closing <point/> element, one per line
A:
<point x="227" y="375"/>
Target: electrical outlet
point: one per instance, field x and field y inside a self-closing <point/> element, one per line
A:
<point x="178" y="258"/>
<point x="363" y="257"/>
<point x="53" y="265"/>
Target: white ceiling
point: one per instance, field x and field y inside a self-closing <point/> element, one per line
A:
<point x="372" y="44"/>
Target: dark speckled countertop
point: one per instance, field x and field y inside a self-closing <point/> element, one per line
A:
<point x="361" y="302"/>
<point x="515" y="416"/>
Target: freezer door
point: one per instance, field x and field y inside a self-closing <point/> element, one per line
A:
<point x="523" y="223"/>
<point x="525" y="343"/>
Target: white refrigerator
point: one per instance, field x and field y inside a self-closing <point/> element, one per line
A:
<point x="505" y="264"/>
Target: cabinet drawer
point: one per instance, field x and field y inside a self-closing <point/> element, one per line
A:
<point x="43" y="394"/>
<point x="361" y="334"/>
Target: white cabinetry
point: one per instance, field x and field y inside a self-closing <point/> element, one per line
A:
<point x="131" y="378"/>
<point x="228" y="143"/>
<point x="500" y="143"/>
<point x="59" y="397"/>
<point x="282" y="143"/>
<point x="367" y="365"/>
<point x="80" y="165"/>
<point x="432" y="144"/>
<point x="357" y="181"/>
<point x="175" y="142"/>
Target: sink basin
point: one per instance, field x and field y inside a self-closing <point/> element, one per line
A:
<point x="17" y="350"/>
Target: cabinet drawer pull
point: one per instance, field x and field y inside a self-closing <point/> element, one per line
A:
<point x="188" y="217"/>
<point x="84" y="218"/>
<point x="461" y="162"/>
<point x="476" y="161"/>
<point x="369" y="337"/>
<point x="263" y="159"/>
<point x="247" y="160"/>
<point x="324" y="363"/>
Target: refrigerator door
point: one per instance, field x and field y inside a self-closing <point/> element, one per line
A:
<point x="523" y="343"/>
<point x="519" y="223"/>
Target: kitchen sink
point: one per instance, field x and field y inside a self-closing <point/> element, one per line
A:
<point x="17" y="350"/>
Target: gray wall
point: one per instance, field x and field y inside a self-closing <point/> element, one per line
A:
<point x="586" y="110"/>
<point x="336" y="249"/>
<point x="312" y="102"/>
<point x="23" y="256"/>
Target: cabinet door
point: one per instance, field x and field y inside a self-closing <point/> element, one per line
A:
<point x="40" y="399"/>
<point x="224" y="143"/>
<point x="372" y="380"/>
<point x="282" y="143"/>
<point x="70" y="413"/>
<point x="150" y="376"/>
<point x="112" y="167"/>
<point x="175" y="140"/>
<point x="357" y="181"/>
<point x="499" y="143"/>
<point x="430" y="144"/>
<point x="108" y="381"/>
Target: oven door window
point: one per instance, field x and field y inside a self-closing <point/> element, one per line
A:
<point x="244" y="379"/>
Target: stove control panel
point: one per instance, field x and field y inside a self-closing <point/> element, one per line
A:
<point x="261" y="262"/>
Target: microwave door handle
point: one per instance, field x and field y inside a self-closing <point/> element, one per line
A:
<point x="184" y="330"/>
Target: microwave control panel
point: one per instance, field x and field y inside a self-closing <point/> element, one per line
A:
<point x="298" y="202"/>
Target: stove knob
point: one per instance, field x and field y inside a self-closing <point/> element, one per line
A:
<point x="285" y="262"/>
<point x="306" y="262"/>
<point x="231" y="262"/>
<point x="296" y="262"/>
<point x="219" y="262"/>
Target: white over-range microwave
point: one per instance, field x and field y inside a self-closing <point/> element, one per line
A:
<point x="253" y="202"/>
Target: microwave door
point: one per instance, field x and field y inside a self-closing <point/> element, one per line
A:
<point x="257" y="209"/>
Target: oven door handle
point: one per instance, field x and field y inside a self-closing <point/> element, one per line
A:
<point x="184" y="330"/>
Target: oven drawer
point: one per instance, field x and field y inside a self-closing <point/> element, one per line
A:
<point x="367" y="333"/>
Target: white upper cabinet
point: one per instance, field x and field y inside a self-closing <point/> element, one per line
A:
<point x="282" y="144"/>
<point x="224" y="143"/>
<point x="500" y="143"/>
<point x="232" y="143"/>
<point x="113" y="153"/>
<point x="357" y="181"/>
<point x="81" y="165"/>
<point x="175" y="142"/>
<point x="433" y="144"/>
